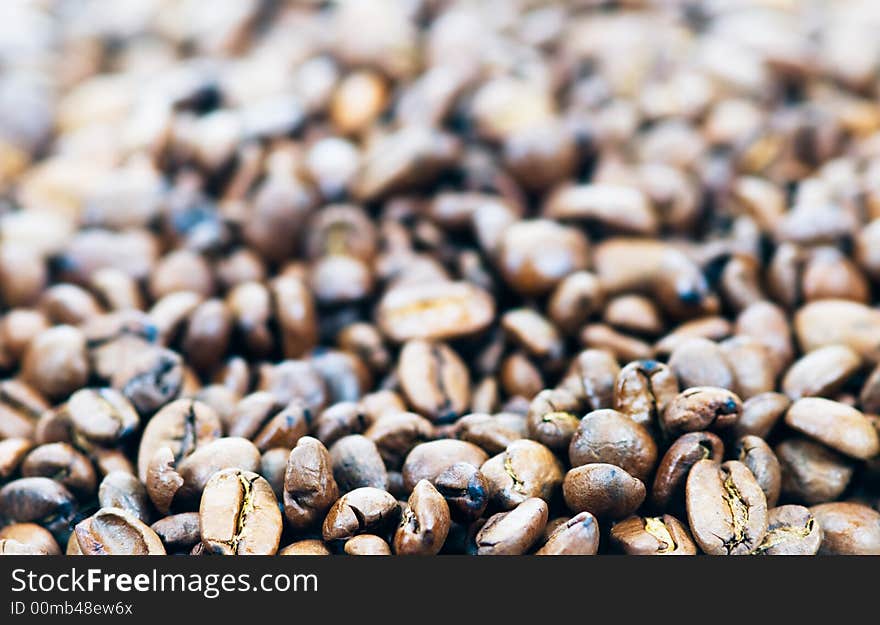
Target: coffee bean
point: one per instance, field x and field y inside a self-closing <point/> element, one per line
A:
<point x="653" y="536"/>
<point x="12" y="547"/>
<point x="357" y="463"/>
<point x="163" y="481"/>
<point x="428" y="460"/>
<point x="20" y="408"/>
<point x="12" y="452"/>
<point x="434" y="379"/>
<point x="64" y="464"/>
<point x="848" y="529"/>
<point x="239" y="515"/>
<point x="339" y="420"/>
<point x="591" y="378"/>
<point x="113" y="531"/>
<point x="307" y="547"/>
<point x="761" y="461"/>
<point x="574" y="299"/>
<point x="839" y="322"/>
<point x="513" y="532"/>
<point x="197" y="468"/>
<point x="760" y="413"/>
<point x="791" y="531"/>
<point x="150" y="379"/>
<point x="684" y="453"/>
<point x="31" y="535"/>
<point x="101" y="417"/>
<point x="700" y="362"/>
<point x="524" y="470"/>
<point x="182" y="426"/>
<point x="812" y="473"/>
<point x="178" y="531"/>
<point x="360" y="511"/>
<point x="554" y="417"/>
<point x="465" y="489"/>
<point x="727" y="510"/>
<point x="750" y="362"/>
<point x="396" y="433"/>
<point x="309" y="486"/>
<point x="821" y="372"/>
<point x="610" y="437"/>
<point x="38" y="500"/>
<point x="366" y="545"/>
<point x="124" y="491"/>
<point x="837" y="425"/>
<point x="701" y="408"/>
<point x="55" y="363"/>
<point x="577" y="536"/>
<point x="424" y="524"/>
<point x="602" y="489"/>
<point x="643" y="390"/>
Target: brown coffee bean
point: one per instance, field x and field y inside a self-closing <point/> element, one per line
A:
<point x="296" y="316"/>
<point x="340" y="420"/>
<point x="761" y="461"/>
<point x="273" y="465"/>
<point x="12" y="547"/>
<point x="178" y="531"/>
<point x="623" y="347"/>
<point x="112" y="531"/>
<point x="711" y="327"/>
<point x="365" y="341"/>
<point x="31" y="535"/>
<point x="38" y="500"/>
<point x="535" y="334"/>
<point x="633" y="313"/>
<point x="525" y="469"/>
<point x="428" y="460"/>
<point x="12" y="452"/>
<point x="163" y="481"/>
<point x="727" y="510"/>
<point x="837" y="425"/>
<point x="700" y="362"/>
<point x="294" y="380"/>
<point x="520" y="377"/>
<point x="124" y="491"/>
<point x="239" y="515"/>
<point x="812" y="473"/>
<point x="182" y="426"/>
<point x="395" y="434"/>
<point x="791" y="531"/>
<point x="574" y="300"/>
<point x="751" y="364"/>
<point x="307" y="547"/>
<point x="55" y="363"/>
<point x="822" y="372"/>
<point x="492" y="433"/>
<point x="619" y="208"/>
<point x="434" y="379"/>
<point x="535" y="255"/>
<point x="760" y="414"/>
<point x="553" y="417"/>
<point x="150" y="379"/>
<point x="684" y="453"/>
<point x="434" y="311"/>
<point x="425" y="522"/>
<point x="207" y="334"/>
<point x="766" y="322"/>
<point x="848" y="529"/>
<point x="366" y="545"/>
<point x="309" y="486"/>
<point x="64" y="464"/>
<point x="18" y="328"/>
<point x="839" y="322"/>
<point x="513" y="532"/>
<point x="357" y="463"/>
<point x="250" y="305"/>
<point x="701" y="408"/>
<point x="643" y="390"/>
<point x="465" y="489"/>
<point x="591" y="378"/>
<point x="101" y="417"/>
<point x="653" y="536"/>
<point x="602" y="489"/>
<point x="197" y="468"/>
<point x="361" y="511"/>
<point x="346" y="377"/>
<point x="282" y="429"/>
<point x="577" y="536"/>
<point x="610" y="437"/>
<point x="869" y="398"/>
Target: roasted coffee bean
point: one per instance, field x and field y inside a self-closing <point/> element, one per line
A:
<point x="760" y="414"/>
<point x="821" y="372"/>
<point x="294" y="380"/>
<point x="20" y="408"/>
<point x="296" y="316"/>
<point x="653" y="536"/>
<point x="428" y="460"/>
<point x="701" y="362"/>
<point x="848" y="529"/>
<point x="610" y="437"/>
<point x="577" y="536"/>
<point x="365" y="341"/>
<point x="684" y="453"/>
<point x="791" y="531"/>
<point x="622" y="346"/>
<point x="31" y="535"/>
<point x="357" y="463"/>
<point x="56" y="363"/>
<point x="839" y="322"/>
<point x="520" y="377"/>
<point x="532" y="332"/>
<point x="643" y="390"/>
<point x="229" y="452"/>
<point x="182" y="426"/>
<point x="178" y="531"/>
<point x="575" y="298"/>
<point x="812" y="473"/>
<point x="101" y="417"/>
<point x="749" y="361"/>
<point x="340" y="420"/>
<point x="465" y="489"/>
<point x="361" y="511"/>
<point x="425" y="522"/>
<point x="163" y="481"/>
<point x="395" y="434"/>
<point x="12" y="452"/>
<point x="12" y="547"/>
<point x="837" y="425"/>
<point x="113" y="531"/>
<point x="64" y="464"/>
<point x="307" y="547"/>
<point x="239" y="515"/>
<point x="124" y="491"/>
<point x="492" y="433"/>
<point x="870" y="395"/>
<point x="309" y="486"/>
<point x="208" y="331"/>
<point x="366" y="545"/>
<point x="38" y="500"/>
<point x="513" y="532"/>
<point x="761" y="461"/>
<point x="525" y="469"/>
<point x="701" y="408"/>
<point x="727" y="511"/>
<point x="273" y="465"/>
<point x="554" y="417"/>
<point x="767" y="323"/>
<point x="604" y="490"/>
<point x="346" y="377"/>
<point x="434" y="311"/>
<point x="150" y="379"/>
<point x="591" y="378"/>
<point x="434" y="379"/>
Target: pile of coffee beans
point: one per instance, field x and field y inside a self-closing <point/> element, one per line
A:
<point x="440" y="277"/>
